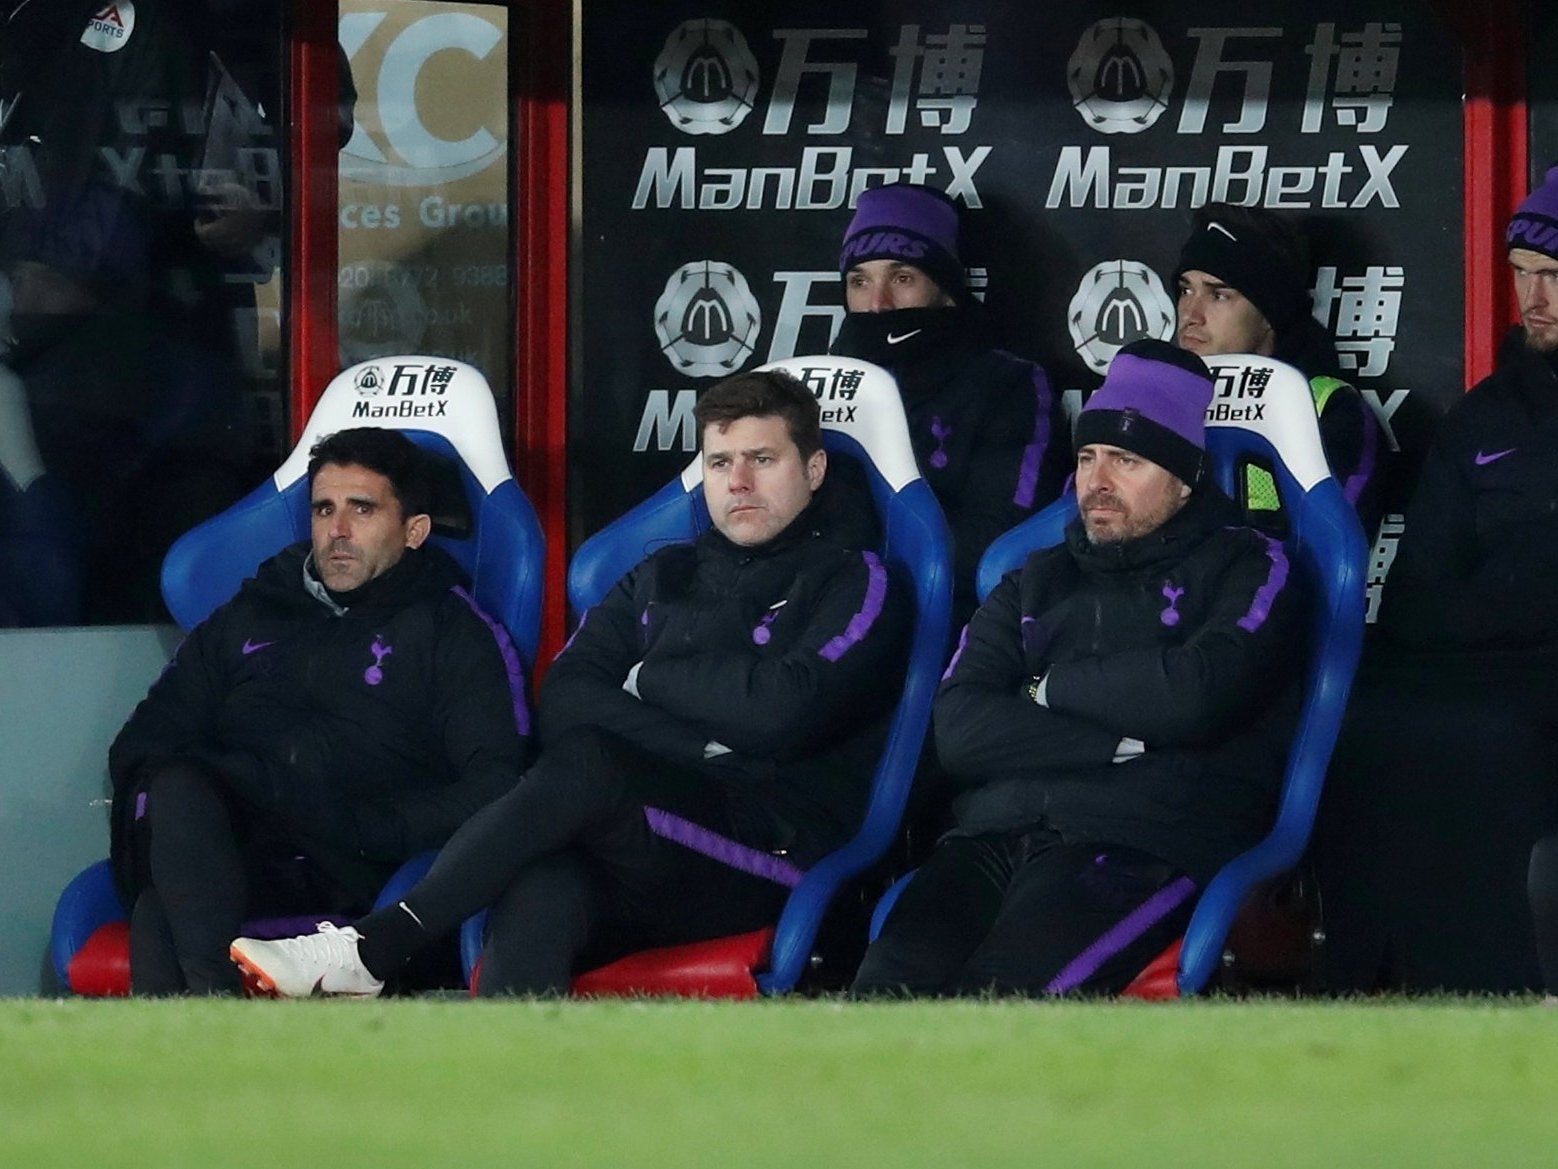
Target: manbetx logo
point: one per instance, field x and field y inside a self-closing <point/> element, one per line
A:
<point x="1119" y="76"/>
<point x="1117" y="302"/>
<point x="1121" y="79"/>
<point x="369" y="381"/>
<point x="706" y="77"/>
<point x="407" y="382"/>
<point x="706" y="81"/>
<point x="707" y="319"/>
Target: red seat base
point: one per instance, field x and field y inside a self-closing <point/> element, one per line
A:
<point x="720" y="968"/>
<point x="101" y="968"/>
<point x="1159" y="979"/>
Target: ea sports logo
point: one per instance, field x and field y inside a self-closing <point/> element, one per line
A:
<point x="707" y="319"/>
<point x="369" y="381"/>
<point x="706" y="77"/>
<point x="1120" y="77"/>
<point x="1117" y="302"/>
<point x="110" y="27"/>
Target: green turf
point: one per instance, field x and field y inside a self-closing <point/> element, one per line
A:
<point x="332" y="1085"/>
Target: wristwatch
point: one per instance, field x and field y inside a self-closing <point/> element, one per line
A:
<point x="1033" y="691"/>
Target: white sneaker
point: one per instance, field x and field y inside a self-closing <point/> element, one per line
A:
<point x="325" y="963"/>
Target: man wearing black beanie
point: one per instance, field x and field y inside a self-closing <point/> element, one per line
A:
<point x="1243" y="278"/>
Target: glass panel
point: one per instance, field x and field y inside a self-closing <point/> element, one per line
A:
<point x="424" y="224"/>
<point x="140" y="206"/>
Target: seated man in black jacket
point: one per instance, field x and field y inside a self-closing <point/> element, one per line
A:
<point x="988" y="429"/>
<point x="1446" y="772"/>
<point x="1111" y="719"/>
<point x="349" y="708"/>
<point x="709" y="731"/>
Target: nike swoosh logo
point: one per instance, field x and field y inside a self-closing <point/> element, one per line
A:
<point x="319" y="992"/>
<point x="894" y="339"/>
<point x="1215" y="226"/>
<point x="1483" y="460"/>
<point x="250" y="647"/>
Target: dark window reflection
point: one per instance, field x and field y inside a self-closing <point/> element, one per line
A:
<point x="140" y="211"/>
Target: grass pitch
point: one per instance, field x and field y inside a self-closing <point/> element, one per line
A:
<point x="337" y="1085"/>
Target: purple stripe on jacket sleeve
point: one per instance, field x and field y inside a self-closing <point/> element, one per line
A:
<point x="1027" y="630"/>
<point x="957" y="654"/>
<point x="721" y="848"/>
<point x="1260" y="607"/>
<point x="1121" y="934"/>
<point x="1359" y="479"/>
<point x="577" y="629"/>
<point x="870" y="609"/>
<point x="276" y="928"/>
<point x="511" y="663"/>
<point x="1033" y="453"/>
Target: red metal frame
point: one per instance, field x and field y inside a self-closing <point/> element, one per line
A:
<point x="1496" y="148"/>
<point x="313" y="341"/>
<point x="541" y="40"/>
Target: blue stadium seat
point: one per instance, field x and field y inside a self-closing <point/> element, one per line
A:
<point x="1261" y="411"/>
<point x="862" y="417"/>
<point x="443" y="406"/>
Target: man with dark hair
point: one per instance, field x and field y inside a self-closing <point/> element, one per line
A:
<point x="988" y="429"/>
<point x="1447" y="770"/>
<point x="1109" y="719"/>
<point x="349" y="708"/>
<point x="1243" y="278"/>
<point x="385" y="452"/>
<point x="710" y="731"/>
<point x="764" y="394"/>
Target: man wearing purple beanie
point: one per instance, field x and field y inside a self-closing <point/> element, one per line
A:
<point x="1113" y="719"/>
<point x="1446" y="773"/>
<point x="988" y="431"/>
<point x="1478" y="564"/>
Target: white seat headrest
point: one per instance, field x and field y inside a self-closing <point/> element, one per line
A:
<point x="435" y="394"/>
<point x="1272" y="399"/>
<point x="858" y="399"/>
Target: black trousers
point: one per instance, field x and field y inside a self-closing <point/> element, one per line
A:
<point x="205" y="865"/>
<point x="1026" y="913"/>
<point x="1444" y="777"/>
<point x="599" y="850"/>
<point x="1542" y="888"/>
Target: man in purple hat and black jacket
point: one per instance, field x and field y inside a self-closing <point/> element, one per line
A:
<point x="1447" y="770"/>
<point x="1477" y="567"/>
<point x="989" y="434"/>
<point x="1110" y="720"/>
